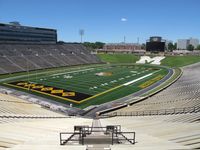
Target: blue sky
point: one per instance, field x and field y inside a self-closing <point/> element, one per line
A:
<point x="108" y="20"/>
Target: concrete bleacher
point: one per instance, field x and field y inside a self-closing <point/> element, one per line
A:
<point x="32" y="134"/>
<point x="24" y="125"/>
<point x="181" y="131"/>
<point x="176" y="130"/>
<point x="15" y="107"/>
<point x="18" y="57"/>
<point x="28" y="126"/>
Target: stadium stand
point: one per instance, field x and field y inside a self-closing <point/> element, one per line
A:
<point x="32" y="134"/>
<point x="154" y="129"/>
<point x="23" y="57"/>
<point x="15" y="107"/>
<point x="181" y="97"/>
<point x="24" y="125"/>
<point x="180" y="131"/>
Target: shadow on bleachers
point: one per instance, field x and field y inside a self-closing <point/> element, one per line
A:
<point x="19" y="57"/>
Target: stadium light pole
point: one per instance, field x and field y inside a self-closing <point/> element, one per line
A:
<point x="81" y="33"/>
<point x="124" y="39"/>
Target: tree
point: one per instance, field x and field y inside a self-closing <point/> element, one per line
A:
<point x="96" y="45"/>
<point x="170" y="46"/>
<point x="143" y="46"/>
<point x="198" y="47"/>
<point x="175" y="46"/>
<point x="190" y="47"/>
<point x="99" y="45"/>
<point x="60" y="42"/>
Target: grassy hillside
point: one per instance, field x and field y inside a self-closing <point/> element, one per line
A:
<point x="171" y="61"/>
<point x="179" y="61"/>
<point x="118" y="58"/>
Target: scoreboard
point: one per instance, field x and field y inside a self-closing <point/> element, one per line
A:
<point x="155" y="46"/>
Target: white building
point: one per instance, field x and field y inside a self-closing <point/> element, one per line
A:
<point x="183" y="43"/>
<point x="194" y="42"/>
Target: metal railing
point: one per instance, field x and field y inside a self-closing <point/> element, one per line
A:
<point x="63" y="140"/>
<point x="112" y="132"/>
<point x="155" y="112"/>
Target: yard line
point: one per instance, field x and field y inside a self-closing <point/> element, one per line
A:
<point x="72" y="72"/>
<point x="128" y="83"/>
<point x="117" y="87"/>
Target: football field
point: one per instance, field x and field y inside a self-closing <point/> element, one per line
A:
<point x="91" y="85"/>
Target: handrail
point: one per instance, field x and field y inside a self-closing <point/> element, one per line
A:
<point x="131" y="140"/>
<point x="183" y="110"/>
<point x="31" y="117"/>
<point x="64" y="141"/>
<point x="83" y="131"/>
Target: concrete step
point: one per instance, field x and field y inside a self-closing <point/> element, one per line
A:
<point x="103" y="139"/>
<point x="98" y="147"/>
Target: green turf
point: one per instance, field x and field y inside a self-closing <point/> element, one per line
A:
<point x="84" y="80"/>
<point x="170" y="61"/>
<point x="179" y="61"/>
<point x="119" y="58"/>
<point x="121" y="92"/>
<point x="177" y="74"/>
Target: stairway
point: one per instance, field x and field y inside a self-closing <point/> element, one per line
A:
<point x="97" y="140"/>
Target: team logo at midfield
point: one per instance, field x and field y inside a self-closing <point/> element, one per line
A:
<point x="104" y="74"/>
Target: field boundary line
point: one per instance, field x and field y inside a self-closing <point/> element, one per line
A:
<point x="102" y="93"/>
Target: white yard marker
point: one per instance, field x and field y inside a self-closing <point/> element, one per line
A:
<point x="133" y="71"/>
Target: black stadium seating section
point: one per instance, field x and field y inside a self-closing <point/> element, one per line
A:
<point x="23" y="57"/>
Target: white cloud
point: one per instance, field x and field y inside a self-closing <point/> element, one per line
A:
<point x="123" y="19"/>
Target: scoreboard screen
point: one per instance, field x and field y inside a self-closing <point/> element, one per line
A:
<point x="155" y="39"/>
<point x="155" y="46"/>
